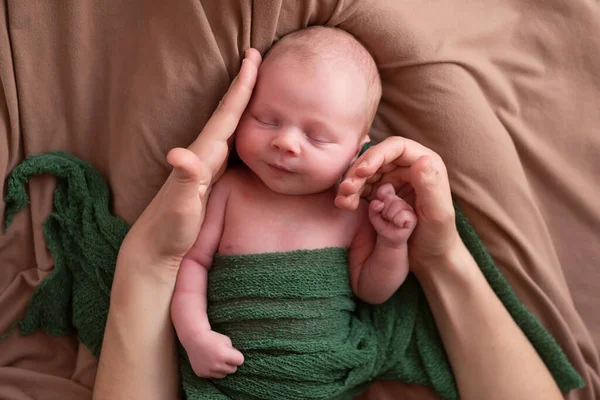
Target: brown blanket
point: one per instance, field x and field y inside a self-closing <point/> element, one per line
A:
<point x="506" y="91"/>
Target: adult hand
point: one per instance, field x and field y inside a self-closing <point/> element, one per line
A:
<point x="454" y="286"/>
<point x="419" y="176"/>
<point x="139" y="359"/>
<point x="169" y="225"/>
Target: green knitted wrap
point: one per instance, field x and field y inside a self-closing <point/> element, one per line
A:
<point x="303" y="334"/>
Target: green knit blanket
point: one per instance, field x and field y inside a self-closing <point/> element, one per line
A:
<point x="303" y="334"/>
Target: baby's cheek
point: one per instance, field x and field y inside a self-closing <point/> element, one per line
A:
<point x="331" y="174"/>
<point x="244" y="144"/>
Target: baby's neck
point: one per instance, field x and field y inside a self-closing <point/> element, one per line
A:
<point x="328" y="193"/>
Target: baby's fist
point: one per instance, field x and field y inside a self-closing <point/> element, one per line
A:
<point x="212" y="355"/>
<point x="393" y="218"/>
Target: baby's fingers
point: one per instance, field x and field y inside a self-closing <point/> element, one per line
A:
<point x="230" y="358"/>
<point x="404" y="219"/>
<point x="375" y="216"/>
<point x="377" y="206"/>
<point x="392" y="209"/>
<point x="217" y="375"/>
<point x="224" y="369"/>
<point x="386" y="193"/>
<point x="235" y="357"/>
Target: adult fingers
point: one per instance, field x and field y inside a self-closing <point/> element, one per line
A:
<point x="398" y="177"/>
<point x="224" y="120"/>
<point x="349" y="202"/>
<point x="374" y="178"/>
<point x="227" y="114"/>
<point x="352" y="189"/>
<point x="391" y="160"/>
<point x="348" y="193"/>
<point x="404" y="190"/>
<point x="367" y="169"/>
<point x="393" y="150"/>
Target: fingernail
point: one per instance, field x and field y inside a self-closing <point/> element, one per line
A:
<point x="363" y="164"/>
<point x="202" y="190"/>
<point x="339" y="200"/>
<point x="428" y="168"/>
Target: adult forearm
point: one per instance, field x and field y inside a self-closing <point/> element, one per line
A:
<point x="139" y="356"/>
<point x="489" y="354"/>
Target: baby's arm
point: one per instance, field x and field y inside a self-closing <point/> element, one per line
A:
<point x="211" y="354"/>
<point x="379" y="253"/>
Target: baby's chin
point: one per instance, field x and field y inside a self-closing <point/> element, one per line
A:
<point x="296" y="188"/>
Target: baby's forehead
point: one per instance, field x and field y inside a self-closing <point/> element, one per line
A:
<point x="320" y="47"/>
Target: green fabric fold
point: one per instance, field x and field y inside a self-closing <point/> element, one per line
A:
<point x="304" y="335"/>
<point x="338" y="344"/>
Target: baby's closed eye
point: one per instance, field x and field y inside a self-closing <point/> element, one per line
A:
<point x="266" y="121"/>
<point x="319" y="137"/>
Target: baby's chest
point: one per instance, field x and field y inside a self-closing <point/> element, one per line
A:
<point x="274" y="226"/>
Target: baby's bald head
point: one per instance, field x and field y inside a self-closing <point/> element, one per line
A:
<point x="326" y="46"/>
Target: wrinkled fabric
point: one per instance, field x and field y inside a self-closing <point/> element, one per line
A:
<point x="505" y="91"/>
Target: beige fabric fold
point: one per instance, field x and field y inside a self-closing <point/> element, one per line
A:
<point x="506" y="91"/>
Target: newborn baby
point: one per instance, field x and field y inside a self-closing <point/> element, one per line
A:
<point x="272" y="231"/>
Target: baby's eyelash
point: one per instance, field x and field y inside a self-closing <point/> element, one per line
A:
<point x="265" y="122"/>
<point x="317" y="139"/>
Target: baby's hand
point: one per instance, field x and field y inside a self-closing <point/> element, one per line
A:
<point x="392" y="217"/>
<point x="212" y="355"/>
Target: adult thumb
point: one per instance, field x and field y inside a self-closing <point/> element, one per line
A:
<point x="432" y="189"/>
<point x="189" y="176"/>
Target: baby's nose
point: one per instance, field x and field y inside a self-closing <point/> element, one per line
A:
<point x="286" y="141"/>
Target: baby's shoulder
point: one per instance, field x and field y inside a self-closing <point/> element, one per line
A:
<point x="354" y="219"/>
<point x="362" y="211"/>
<point x="361" y="215"/>
<point x="232" y="177"/>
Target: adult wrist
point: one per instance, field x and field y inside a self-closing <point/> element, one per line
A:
<point x="136" y="272"/>
<point x="139" y="353"/>
<point x="140" y="302"/>
<point x="455" y="267"/>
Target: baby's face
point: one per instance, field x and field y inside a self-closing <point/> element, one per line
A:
<point x="303" y="126"/>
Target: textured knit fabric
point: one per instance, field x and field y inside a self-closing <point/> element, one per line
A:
<point x="292" y="314"/>
<point x="304" y="336"/>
